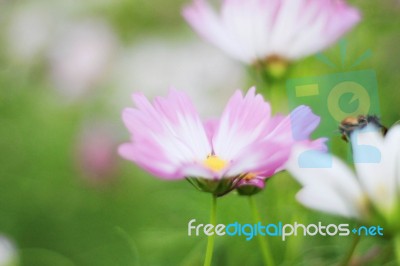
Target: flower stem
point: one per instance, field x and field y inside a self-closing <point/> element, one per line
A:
<point x="350" y="252"/>
<point x="265" y="250"/>
<point x="397" y="247"/>
<point x="210" y="239"/>
<point x="274" y="90"/>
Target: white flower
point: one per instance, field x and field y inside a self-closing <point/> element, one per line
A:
<point x="8" y="253"/>
<point x="253" y="30"/>
<point x="330" y="185"/>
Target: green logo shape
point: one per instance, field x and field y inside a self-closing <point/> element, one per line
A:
<point x="336" y="96"/>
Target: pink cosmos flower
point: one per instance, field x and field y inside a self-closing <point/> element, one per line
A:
<point x="258" y="30"/>
<point x="171" y="141"/>
<point x="95" y="153"/>
<point x="292" y="130"/>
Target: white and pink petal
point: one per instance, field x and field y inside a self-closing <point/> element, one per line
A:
<point x="205" y="21"/>
<point x="167" y="132"/>
<point x="242" y="123"/>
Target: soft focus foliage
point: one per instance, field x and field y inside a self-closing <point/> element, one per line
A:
<point x="53" y="211"/>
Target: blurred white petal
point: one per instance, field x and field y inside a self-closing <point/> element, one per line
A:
<point x="325" y="198"/>
<point x="29" y="31"/>
<point x="321" y="171"/>
<point x="81" y="56"/>
<point x="376" y="160"/>
<point x="8" y="252"/>
<point x="153" y="64"/>
<point x="256" y="30"/>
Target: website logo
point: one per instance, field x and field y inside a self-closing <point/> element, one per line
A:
<point x="249" y="231"/>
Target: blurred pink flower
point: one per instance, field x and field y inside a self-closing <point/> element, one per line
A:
<point x="170" y="140"/>
<point x="257" y="30"/>
<point x="96" y="153"/>
<point x="81" y="57"/>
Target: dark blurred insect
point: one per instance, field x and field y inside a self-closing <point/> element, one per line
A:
<point x="351" y="123"/>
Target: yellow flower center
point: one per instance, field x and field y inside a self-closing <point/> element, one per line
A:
<point x="249" y="176"/>
<point x="214" y="163"/>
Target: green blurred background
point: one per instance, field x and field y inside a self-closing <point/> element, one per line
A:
<point x="66" y="198"/>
